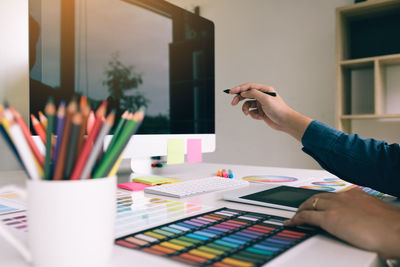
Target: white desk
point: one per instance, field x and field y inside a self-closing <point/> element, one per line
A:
<point x="320" y="250"/>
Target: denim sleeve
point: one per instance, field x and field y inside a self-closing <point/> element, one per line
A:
<point x="365" y="162"/>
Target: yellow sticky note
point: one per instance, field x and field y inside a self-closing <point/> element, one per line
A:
<point x="152" y="180"/>
<point x="175" y="151"/>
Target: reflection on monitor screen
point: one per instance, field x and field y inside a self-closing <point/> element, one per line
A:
<point x="132" y="53"/>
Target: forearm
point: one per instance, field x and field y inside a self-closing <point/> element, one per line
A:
<point x="361" y="161"/>
<point x="295" y="124"/>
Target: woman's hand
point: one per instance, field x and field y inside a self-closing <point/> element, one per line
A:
<point x="272" y="110"/>
<point x="355" y="217"/>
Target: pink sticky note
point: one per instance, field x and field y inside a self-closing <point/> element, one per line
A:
<point x="133" y="186"/>
<point x="194" y="154"/>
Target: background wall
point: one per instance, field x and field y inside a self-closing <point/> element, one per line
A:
<point x="286" y="44"/>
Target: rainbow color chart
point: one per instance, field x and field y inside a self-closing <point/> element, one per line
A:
<point x="338" y="185"/>
<point x="149" y="211"/>
<point x="221" y="238"/>
<point x="269" y="179"/>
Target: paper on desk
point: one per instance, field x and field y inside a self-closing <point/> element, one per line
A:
<point x="175" y="151"/>
<point x="10" y="202"/>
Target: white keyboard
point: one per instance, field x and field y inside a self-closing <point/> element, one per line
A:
<point x="195" y="187"/>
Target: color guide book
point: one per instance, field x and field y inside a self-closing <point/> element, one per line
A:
<point x="221" y="238"/>
<point x="140" y="213"/>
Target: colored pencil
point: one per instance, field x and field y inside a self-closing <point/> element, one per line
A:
<point x="28" y="136"/>
<point x="38" y="128"/>
<point x="62" y="154"/>
<point x="117" y="132"/>
<point x="23" y="150"/>
<point x="119" y="128"/>
<point x="90" y="122"/>
<point x="83" y="102"/>
<point x="43" y="120"/>
<point x="72" y="144"/>
<point x="87" y="147"/>
<point x="114" y="152"/>
<point x="98" y="146"/>
<point x="50" y="110"/>
<point x="114" y="169"/>
<point x="8" y="117"/>
<point x="85" y="111"/>
<point x="138" y="117"/>
<point x="7" y="137"/>
<point x="59" y="130"/>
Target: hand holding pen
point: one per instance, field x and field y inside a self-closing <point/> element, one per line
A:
<point x="263" y="103"/>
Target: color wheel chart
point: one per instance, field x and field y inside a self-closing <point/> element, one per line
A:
<point x="269" y="179"/>
<point x="328" y="184"/>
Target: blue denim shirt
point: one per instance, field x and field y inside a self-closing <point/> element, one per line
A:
<point x="365" y="162"/>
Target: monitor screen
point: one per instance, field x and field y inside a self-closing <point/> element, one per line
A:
<point x="132" y="53"/>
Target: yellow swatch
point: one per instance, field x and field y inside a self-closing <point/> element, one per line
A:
<point x="202" y="254"/>
<point x="175" y="151"/>
<point x="238" y="263"/>
<point x="170" y="245"/>
<point x="152" y="234"/>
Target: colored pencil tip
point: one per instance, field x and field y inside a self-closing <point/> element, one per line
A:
<point x="104" y="103"/>
<point x="110" y="118"/>
<point x="101" y="111"/>
<point x="34" y="119"/>
<point x="83" y="102"/>
<point x="72" y="106"/>
<point x="228" y="91"/>
<point x="138" y="115"/>
<point x="125" y="114"/>
<point x="142" y="109"/>
<point x="50" y="109"/>
<point x="77" y="118"/>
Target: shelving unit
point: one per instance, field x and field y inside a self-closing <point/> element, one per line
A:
<point x="367" y="43"/>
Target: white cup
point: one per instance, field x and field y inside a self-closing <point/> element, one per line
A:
<point x="70" y="223"/>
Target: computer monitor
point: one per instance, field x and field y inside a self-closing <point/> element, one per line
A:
<point x="132" y="53"/>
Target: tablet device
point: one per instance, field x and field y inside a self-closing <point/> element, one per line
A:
<point x="273" y="196"/>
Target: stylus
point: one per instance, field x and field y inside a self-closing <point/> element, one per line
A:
<point x="268" y="93"/>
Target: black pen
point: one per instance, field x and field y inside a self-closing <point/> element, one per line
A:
<point x="268" y="93"/>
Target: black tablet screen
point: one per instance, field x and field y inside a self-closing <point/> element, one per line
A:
<point x="283" y="195"/>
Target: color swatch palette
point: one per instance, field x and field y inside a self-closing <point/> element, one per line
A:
<point x="141" y="212"/>
<point x="16" y="221"/>
<point x="221" y="238"/>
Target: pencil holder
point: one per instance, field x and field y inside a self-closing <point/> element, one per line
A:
<point x="70" y="223"/>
